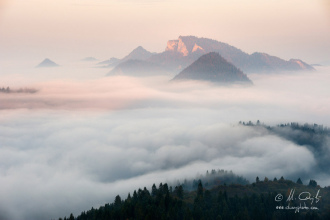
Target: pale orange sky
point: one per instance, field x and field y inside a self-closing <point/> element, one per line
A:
<point x="74" y="29"/>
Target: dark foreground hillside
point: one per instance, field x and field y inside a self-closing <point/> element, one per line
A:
<point x="267" y="199"/>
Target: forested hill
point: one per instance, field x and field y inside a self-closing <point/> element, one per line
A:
<point x="315" y="137"/>
<point x="263" y="199"/>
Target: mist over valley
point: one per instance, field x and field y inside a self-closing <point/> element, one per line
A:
<point x="84" y="137"/>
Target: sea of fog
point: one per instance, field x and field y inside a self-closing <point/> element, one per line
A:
<point x="83" y="138"/>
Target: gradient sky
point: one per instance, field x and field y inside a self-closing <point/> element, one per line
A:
<point x="74" y="29"/>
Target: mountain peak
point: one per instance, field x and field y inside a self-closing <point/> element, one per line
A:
<point x="140" y="48"/>
<point x="213" y="67"/>
<point x="138" y="53"/>
<point x="47" y="63"/>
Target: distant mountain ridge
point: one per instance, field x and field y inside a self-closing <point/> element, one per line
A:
<point x="214" y="68"/>
<point x="110" y="62"/>
<point x="89" y="59"/>
<point x="182" y="52"/>
<point x="138" y="68"/>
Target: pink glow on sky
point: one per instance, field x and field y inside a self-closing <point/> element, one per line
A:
<point x="78" y="28"/>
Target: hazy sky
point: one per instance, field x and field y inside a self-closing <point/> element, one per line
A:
<point x="73" y="29"/>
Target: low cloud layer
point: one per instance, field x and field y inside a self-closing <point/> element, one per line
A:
<point x="78" y="143"/>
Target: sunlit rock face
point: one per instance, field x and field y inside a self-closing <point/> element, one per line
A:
<point x="197" y="48"/>
<point x="172" y="45"/>
<point x="184" y="45"/>
<point x="301" y="64"/>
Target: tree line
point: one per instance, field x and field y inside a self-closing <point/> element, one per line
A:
<point x="20" y="90"/>
<point x="256" y="201"/>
